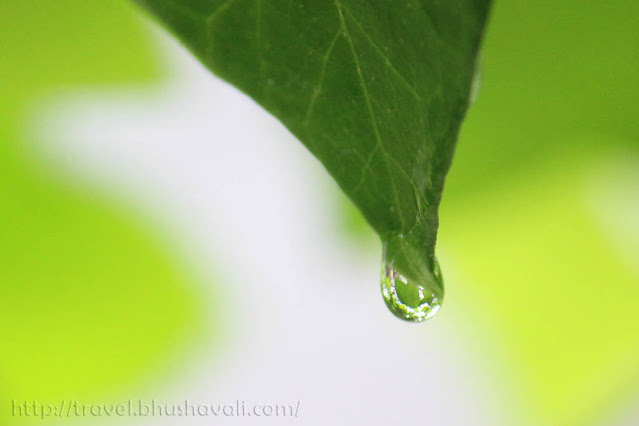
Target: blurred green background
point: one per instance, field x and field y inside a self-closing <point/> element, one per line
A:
<point x="539" y="236"/>
<point x="91" y="300"/>
<point x="546" y="168"/>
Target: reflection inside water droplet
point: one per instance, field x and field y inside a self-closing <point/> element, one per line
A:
<point x="407" y="300"/>
<point x="411" y="280"/>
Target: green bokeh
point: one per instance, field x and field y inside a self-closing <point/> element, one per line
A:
<point x="536" y="270"/>
<point x="547" y="288"/>
<point x="91" y="299"/>
<point x="551" y="70"/>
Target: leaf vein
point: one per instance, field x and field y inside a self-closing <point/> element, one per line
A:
<point x="224" y="6"/>
<point x="369" y="106"/>
<point x="383" y="55"/>
<point x="322" y="76"/>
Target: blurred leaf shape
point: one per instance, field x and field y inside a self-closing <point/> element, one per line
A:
<point x="88" y="298"/>
<point x="539" y="271"/>
<point x="550" y="71"/>
<point x="559" y="96"/>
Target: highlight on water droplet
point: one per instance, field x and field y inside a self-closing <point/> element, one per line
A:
<point x="407" y="300"/>
<point x="412" y="287"/>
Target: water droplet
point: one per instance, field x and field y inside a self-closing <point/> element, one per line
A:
<point x="407" y="300"/>
<point x="415" y="295"/>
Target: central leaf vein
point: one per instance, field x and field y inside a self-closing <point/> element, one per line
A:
<point x="369" y="106"/>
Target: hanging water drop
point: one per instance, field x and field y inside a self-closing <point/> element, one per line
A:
<point x="412" y="288"/>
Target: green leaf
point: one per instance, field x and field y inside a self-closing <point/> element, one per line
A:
<point x="376" y="90"/>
